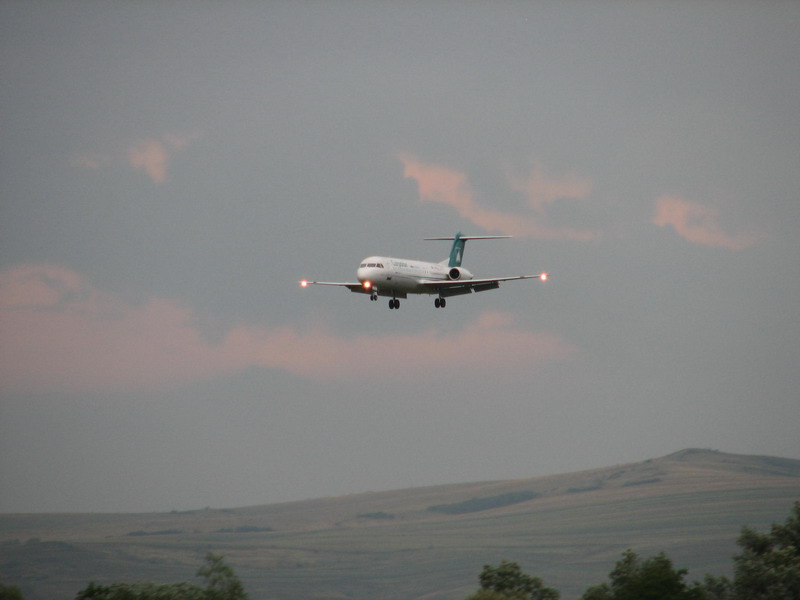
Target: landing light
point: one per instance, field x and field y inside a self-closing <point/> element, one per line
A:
<point x="367" y="285"/>
<point x="304" y="283"/>
<point x="543" y="276"/>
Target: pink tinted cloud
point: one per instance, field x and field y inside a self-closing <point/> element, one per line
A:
<point x="491" y="344"/>
<point x="60" y="333"/>
<point x="448" y="186"/>
<point x="698" y="224"/>
<point x="541" y="190"/>
<point x="151" y="155"/>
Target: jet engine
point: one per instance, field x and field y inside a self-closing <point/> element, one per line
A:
<point x="457" y="273"/>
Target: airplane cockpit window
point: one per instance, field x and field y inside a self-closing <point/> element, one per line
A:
<point x="363" y="265"/>
<point x="371" y="265"/>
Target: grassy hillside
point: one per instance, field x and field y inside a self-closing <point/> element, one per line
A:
<point x="423" y="542"/>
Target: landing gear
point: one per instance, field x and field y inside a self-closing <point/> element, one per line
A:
<point x="373" y="297"/>
<point x="394" y="303"/>
<point x="440" y="302"/>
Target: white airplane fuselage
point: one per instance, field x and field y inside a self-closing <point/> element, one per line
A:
<point x="399" y="275"/>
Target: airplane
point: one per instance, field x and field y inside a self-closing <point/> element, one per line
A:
<point x="397" y="277"/>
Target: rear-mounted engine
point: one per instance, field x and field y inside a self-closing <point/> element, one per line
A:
<point x="457" y="273"/>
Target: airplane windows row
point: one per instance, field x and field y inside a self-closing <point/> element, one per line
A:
<point x="379" y="265"/>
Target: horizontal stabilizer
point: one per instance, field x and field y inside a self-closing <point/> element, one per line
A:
<point x="459" y="239"/>
<point x="472" y="237"/>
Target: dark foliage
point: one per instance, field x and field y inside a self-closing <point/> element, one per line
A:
<point x="508" y="582"/>
<point x="10" y="592"/>
<point x="485" y="503"/>
<point x="650" y="579"/>
<point x="221" y="584"/>
<point x="768" y="568"/>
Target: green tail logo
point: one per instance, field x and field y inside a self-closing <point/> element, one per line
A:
<point x="457" y="251"/>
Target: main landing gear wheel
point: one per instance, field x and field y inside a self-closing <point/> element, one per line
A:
<point x="440" y="303"/>
<point x="394" y="303"/>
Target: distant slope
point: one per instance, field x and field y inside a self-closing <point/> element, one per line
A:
<point x="569" y="529"/>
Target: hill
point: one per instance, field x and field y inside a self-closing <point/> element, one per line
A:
<point x="422" y="542"/>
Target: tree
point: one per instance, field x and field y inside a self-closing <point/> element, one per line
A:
<point x="508" y="582"/>
<point x="768" y="567"/>
<point x="10" y="592"/>
<point x="650" y="579"/>
<point x="716" y="588"/>
<point x="221" y="581"/>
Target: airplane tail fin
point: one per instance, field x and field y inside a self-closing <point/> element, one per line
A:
<point x="457" y="250"/>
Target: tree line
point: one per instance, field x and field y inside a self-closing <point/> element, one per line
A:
<point x="221" y="583"/>
<point x="766" y="568"/>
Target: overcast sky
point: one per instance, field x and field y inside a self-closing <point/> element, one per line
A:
<point x="170" y="170"/>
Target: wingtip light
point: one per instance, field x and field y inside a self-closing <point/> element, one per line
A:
<point x="544" y="276"/>
<point x="304" y="283"/>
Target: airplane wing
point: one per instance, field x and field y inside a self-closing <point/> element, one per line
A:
<point x="455" y="287"/>
<point x="353" y="287"/>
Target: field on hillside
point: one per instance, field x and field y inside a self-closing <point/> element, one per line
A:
<point x="568" y="529"/>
